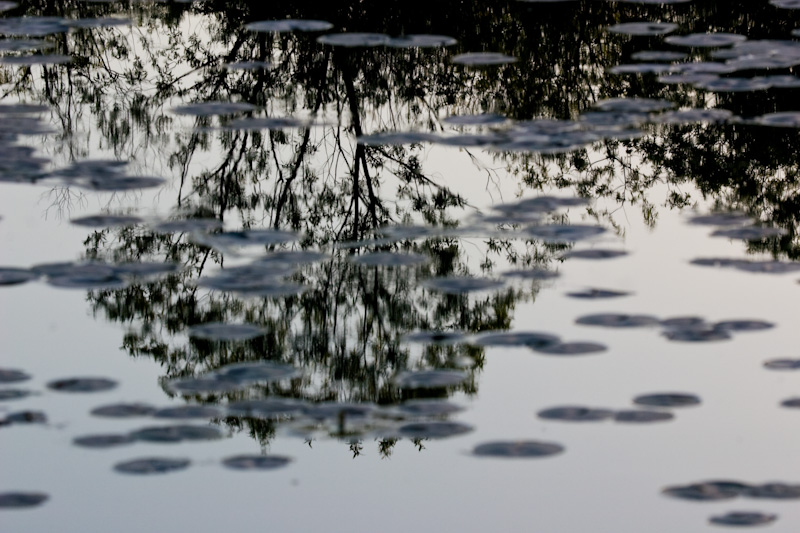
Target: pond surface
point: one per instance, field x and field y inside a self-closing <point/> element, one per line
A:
<point x="465" y="266"/>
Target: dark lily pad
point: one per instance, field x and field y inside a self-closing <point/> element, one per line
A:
<point x="124" y="410"/>
<point x="261" y="237"/>
<point x="17" y="500"/>
<point x="188" y="411"/>
<point x="221" y="331"/>
<point x="740" y="518"/>
<point x="672" y="399"/>
<point x="571" y="348"/>
<point x="691" y="116"/>
<point x="107" y="221"/>
<point x="88" y="281"/>
<point x="138" y="269"/>
<point x="684" y="322"/>
<point x="103" y="441"/>
<point x="13" y="394"/>
<point x="188" y="225"/>
<point x="749" y="232"/>
<point x="564" y="232"/>
<point x="735" y="85"/>
<point x="658" y="55"/>
<point x="702" y="40"/>
<point x="783" y="364"/>
<point x="642" y="68"/>
<point x="389" y="259"/>
<point x="207" y="109"/>
<point x="33" y="26"/>
<point x="266" y="408"/>
<point x="152" y="465"/>
<point x="531" y="274"/>
<point x="429" y="408"/>
<point x="339" y="410"/>
<point x="643" y="28"/>
<point x="421" y="379"/>
<point x="792" y="403"/>
<point x="82" y="385"/>
<point x="517" y="449"/>
<point x="36" y="59"/>
<point x="697" y="334"/>
<point x="291" y="257"/>
<point x="766" y="267"/>
<point x="120" y="183"/>
<point x="572" y="413"/>
<point x="462" y="284"/>
<point x="702" y="492"/>
<point x="98" y="22"/>
<point x="773" y="491"/>
<point x="259" y="372"/>
<point x="421" y="41"/>
<point x="539" y="204"/>
<point x="24" y="45"/>
<point x="531" y="339"/>
<point x="352" y="40"/>
<point x="176" y="433"/>
<point x="433" y="430"/>
<point x="743" y="325"/>
<point x="640" y="416"/>
<point x="203" y="385"/>
<point x="289" y="25"/>
<point x="594" y="253"/>
<point x="479" y="59"/>
<point x="396" y="138"/>
<point x="617" y="320"/>
<point x="10" y="375"/>
<point x="26" y="417"/>
<point x="632" y="105"/>
<point x="256" y="462"/>
<point x="595" y="294"/>
<point x="267" y="123"/>
<point x="436" y="337"/>
<point x="727" y="218"/>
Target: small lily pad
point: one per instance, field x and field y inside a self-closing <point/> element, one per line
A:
<point x="783" y="364"/>
<point x="421" y="41"/>
<point x="643" y="28"/>
<point x="422" y="379"/>
<point x="339" y="410"/>
<point x="702" y="492"/>
<point x="17" y="500"/>
<point x="632" y="105"/>
<point x="26" y="417"/>
<point x="13" y="394"/>
<point x="740" y="518"/>
<point x="289" y="25"/>
<point x="176" y="433"/>
<point x="429" y="408"/>
<point x="658" y="55"/>
<point x="221" y="331"/>
<point x="564" y="232"/>
<point x="595" y="294"/>
<point x="103" y="441"/>
<point x="517" y="449"/>
<point x="697" y="334"/>
<point x="353" y="40"/>
<point x="571" y="348"/>
<point x="531" y="339"/>
<point x="480" y="59"/>
<point x="436" y="337"/>
<point x="573" y="413"/>
<point x="266" y="408"/>
<point x="124" y="410"/>
<point x="672" y="399"/>
<point x="188" y="411"/>
<point x="258" y="372"/>
<point x="107" y="221"/>
<point x="208" y="109"/>
<point x="594" y="253"/>
<point x="784" y="119"/>
<point x="617" y="320"/>
<point x="749" y="233"/>
<point x="725" y="218"/>
<point x="82" y="385"/>
<point x="640" y="416"/>
<point x="433" y="430"/>
<point x="256" y="462"/>
<point x="743" y="325"/>
<point x="203" y="385"/>
<point x="792" y="403"/>
<point x="691" y="116"/>
<point x="16" y="276"/>
<point x="152" y="465"/>
<point x="462" y="284"/>
<point x="773" y="491"/>
<point x="389" y="259"/>
<point x="10" y="375"/>
<point x="703" y="40"/>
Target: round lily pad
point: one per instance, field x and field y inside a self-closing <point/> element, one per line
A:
<point x="671" y="399"/>
<point x="564" y="232"/>
<point x="124" y="410"/>
<point x="701" y="40"/>
<point x="617" y="320"/>
<point x="176" y="433"/>
<point x="572" y="413"/>
<point x="221" y="331"/>
<point x="640" y="416"/>
<point x="421" y="41"/>
<point x="103" y="441"/>
<point x="106" y="221"/>
<point x="10" y="375"/>
<point x="82" y="385"/>
<point x="17" y="500"/>
<point x="256" y="462"/>
<point x="152" y="465"/>
<point x="430" y="379"/>
<point x="743" y="325"/>
<point x="740" y="518"/>
<point x="259" y="372"/>
<point x="571" y="348"/>
<point x="389" y="259"/>
<point x="268" y="408"/>
<point x="702" y="492"/>
<point x="352" y="40"/>
<point x="517" y="449"/>
<point x="433" y="430"/>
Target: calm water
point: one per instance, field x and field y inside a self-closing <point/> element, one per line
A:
<point x="503" y="266"/>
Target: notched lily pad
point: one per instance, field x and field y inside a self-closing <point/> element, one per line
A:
<point x="422" y="379"/>
<point x="221" y="331"/>
<point x="82" y="385"/>
<point x="18" y="500"/>
<point x="256" y="462"/>
<point x="517" y="449"/>
<point x="617" y="320"/>
<point x="572" y="413"/>
<point x="671" y="399"/>
<point x="152" y="465"/>
<point x="741" y="518"/>
<point x="103" y="441"/>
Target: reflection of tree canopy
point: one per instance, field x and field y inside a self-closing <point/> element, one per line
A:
<point x="347" y="328"/>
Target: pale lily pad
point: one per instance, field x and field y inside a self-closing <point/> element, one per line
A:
<point x="617" y="320"/>
<point x="124" y="410"/>
<point x="339" y="410"/>
<point x="517" y="449"/>
<point x="152" y="465"/>
<point x="658" y="55"/>
<point x="221" y="331"/>
<point x="203" y="385"/>
<point x="741" y="518"/>
<point x="188" y="411"/>
<point x="6" y="5"/>
<point x="640" y="416"/>
<point x="573" y="413"/>
<point x="643" y="28"/>
<point x="572" y="348"/>
<point x="103" y="441"/>
<point x="207" y="109"/>
<point x="425" y="379"/>
<point x="633" y="105"/>
<point x="785" y="119"/>
<point x="786" y="4"/>
<point x="289" y="25"/>
<point x="421" y="41"/>
<point x="690" y="78"/>
<point x="702" y="40"/>
<point x="433" y="430"/>
<point x="37" y="59"/>
<point x="253" y="237"/>
<point x="671" y="399"/>
<point x="480" y="59"/>
<point x="256" y="462"/>
<point x="462" y="284"/>
<point x="10" y="375"/>
<point x="33" y="26"/>
<point x="481" y="119"/>
<point x="82" y="385"/>
<point x="17" y="500"/>
<point x="353" y="40"/>
<point x="564" y="232"/>
<point x="735" y="85"/>
<point x="690" y="116"/>
<point x="176" y="433"/>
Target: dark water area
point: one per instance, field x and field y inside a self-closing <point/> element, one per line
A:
<point x="381" y="266"/>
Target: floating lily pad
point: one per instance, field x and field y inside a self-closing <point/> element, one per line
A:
<point x="743" y="325"/>
<point x="17" y="500"/>
<point x="734" y="218"/>
<point x="267" y="408"/>
<point x="221" y="331"/>
<point x="138" y="269"/>
<point x="37" y="59"/>
<point x="462" y="284"/>
<point x="617" y="320"/>
<point x="259" y="372"/>
<point x="245" y="238"/>
<point x="785" y="119"/>
<point x="531" y="339"/>
<point x="33" y="26"/>
<point x="740" y="518"/>
<point x="564" y="232"/>
<point x="88" y="281"/>
<point x="120" y="183"/>
<point x="16" y="276"/>
<point x="783" y="82"/>
<point x="479" y="59"/>
<point x="702" y="40"/>
<point x="786" y="4"/>
<point x="429" y="408"/>
<point x="176" y="433"/>
<point x="352" y="40"/>
<point x="421" y="41"/>
<point x="267" y="123"/>
<point x="532" y="274"/>
<point x="571" y="348"/>
<point x="735" y="85"/>
<point x="632" y="105"/>
<point x="436" y="337"/>
<point x="396" y="138"/>
<point x="124" y="410"/>
<point x="422" y="379"/>
<point x="82" y="385"/>
<point x="749" y="232"/>
<point x="697" y="334"/>
<point x="783" y="364"/>
<point x="208" y="109"/>
<point x="5" y="5"/>
<point x="517" y="449"/>
<point x="188" y="411"/>
<point x="433" y="430"/>
<point x="658" y="55"/>
<point x="691" y="116"/>
<point x="339" y="410"/>
<point x="26" y="417"/>
<point x="667" y="400"/>
<point x="152" y="465"/>
<point x="256" y="462"/>
<point x="792" y="403"/>
<point x="643" y="28"/>
<point x="702" y="492"/>
<point x="103" y="441"/>
<point x="13" y="394"/>
<point x="389" y="259"/>
<point x="640" y="416"/>
<point x="767" y="267"/>
<point x="573" y="413"/>
<point x="10" y="375"/>
<point x="107" y="221"/>
<point x="99" y="22"/>
<point x="202" y="385"/>
<point x="24" y="45"/>
<point x="683" y="322"/>
<point x="773" y="491"/>
<point x="594" y="253"/>
<point x="690" y="78"/>
<point x="249" y="65"/>
<point x="289" y="25"/>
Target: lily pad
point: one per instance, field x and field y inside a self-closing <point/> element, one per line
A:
<point x="17" y="500"/>
<point x="433" y="430"/>
<point x="33" y="26"/>
<point x="594" y="253"/>
<point x="221" y="331"/>
<point x="124" y="410"/>
<point x="152" y="465"/>
<point x="784" y="119"/>
<point x="480" y="59"/>
<point x="423" y="379"/>
<point x="13" y="394"/>
<point x="428" y="408"/>
<point x="783" y="364"/>
<point x="258" y="372"/>
<point x="617" y="320"/>
<point x="256" y="462"/>
<point x="573" y="413"/>
<point x="697" y="334"/>
<point x="725" y="218"/>
<point x="658" y="55"/>
<point x="289" y="25"/>
<point x="353" y="40"/>
<point x="672" y="399"/>
<point x="702" y="492"/>
<point x="571" y="348"/>
<point x="531" y="339"/>
<point x="743" y="325"/>
<point x="203" y="385"/>
<point x="749" y="232"/>
<point x="702" y="40"/>
<point x="531" y="274"/>
<point x="640" y="416"/>
<point x="436" y="337"/>
<point x="10" y="375"/>
<point x="82" y="385"/>
<point x="107" y="221"/>
<point x="521" y="449"/>
<point x="740" y="518"/>
<point x="643" y="28"/>
<point x="389" y="259"/>
<point x="188" y="411"/>
<point x="266" y="408"/>
<point x="564" y="232"/>
<point x="176" y="433"/>
<point x="208" y="109"/>
<point x="462" y="284"/>
<point x="632" y="105"/>
<point x="261" y="237"/>
<point x="773" y="491"/>
<point x="103" y="441"/>
<point x="36" y="59"/>
<point x="421" y="41"/>
<point x="26" y="417"/>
